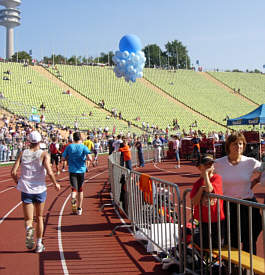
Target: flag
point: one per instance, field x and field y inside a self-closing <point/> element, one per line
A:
<point x="30" y="52"/>
<point x="197" y="62"/>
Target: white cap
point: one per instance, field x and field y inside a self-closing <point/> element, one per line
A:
<point x="35" y="137"/>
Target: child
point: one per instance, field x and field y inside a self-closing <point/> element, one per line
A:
<point x="127" y="155"/>
<point x="208" y="183"/>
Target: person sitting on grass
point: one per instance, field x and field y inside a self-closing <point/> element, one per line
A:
<point x="208" y="183"/>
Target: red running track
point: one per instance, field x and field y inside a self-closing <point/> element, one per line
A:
<point x="80" y="244"/>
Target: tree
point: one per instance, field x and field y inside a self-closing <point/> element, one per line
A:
<point x="21" y="56"/>
<point x="154" y="56"/>
<point x="56" y="59"/>
<point x="106" y="58"/>
<point x="177" y="54"/>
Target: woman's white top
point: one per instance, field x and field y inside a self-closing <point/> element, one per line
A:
<point x="33" y="173"/>
<point x="237" y="178"/>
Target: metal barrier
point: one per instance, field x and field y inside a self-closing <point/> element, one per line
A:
<point x="152" y="206"/>
<point x="223" y="259"/>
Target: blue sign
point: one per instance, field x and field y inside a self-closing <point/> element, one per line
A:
<point x="34" y="118"/>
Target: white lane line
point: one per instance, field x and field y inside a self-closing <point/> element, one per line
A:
<point x="7" y="189"/>
<point x="188" y="174"/>
<point x="7" y="214"/>
<point x="5" y="180"/>
<point x="60" y="242"/>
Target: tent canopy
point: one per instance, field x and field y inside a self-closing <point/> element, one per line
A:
<point x="253" y="118"/>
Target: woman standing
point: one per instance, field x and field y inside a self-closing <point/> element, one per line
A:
<point x="34" y="164"/>
<point x="236" y="171"/>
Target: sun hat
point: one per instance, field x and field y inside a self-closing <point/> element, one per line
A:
<point x="205" y="159"/>
<point x="35" y="137"/>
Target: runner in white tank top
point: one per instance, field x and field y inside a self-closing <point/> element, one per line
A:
<point x="34" y="164"/>
<point x="33" y="173"/>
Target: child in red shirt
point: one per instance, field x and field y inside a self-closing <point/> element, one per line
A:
<point x="208" y="183"/>
<point x="126" y="155"/>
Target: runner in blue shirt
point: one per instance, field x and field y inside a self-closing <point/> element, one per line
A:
<point x="76" y="155"/>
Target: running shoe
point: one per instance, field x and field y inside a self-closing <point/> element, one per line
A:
<point x="30" y="238"/>
<point x="40" y="248"/>
<point x="79" y="211"/>
<point x="74" y="206"/>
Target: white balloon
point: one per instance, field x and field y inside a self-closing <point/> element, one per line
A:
<point x="125" y="54"/>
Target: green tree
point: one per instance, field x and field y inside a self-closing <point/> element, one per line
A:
<point x="21" y="56"/>
<point x="154" y="56"/>
<point x="106" y="58"/>
<point x="177" y="55"/>
<point x="56" y="59"/>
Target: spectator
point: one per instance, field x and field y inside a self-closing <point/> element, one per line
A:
<point x="196" y="146"/>
<point x="208" y="183"/>
<point x="176" y="147"/>
<point x="236" y="171"/>
<point x="139" y="147"/>
<point x="127" y="154"/>
<point x="157" y="144"/>
<point x="42" y="107"/>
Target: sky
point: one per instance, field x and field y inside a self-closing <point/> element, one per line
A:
<point x="223" y="34"/>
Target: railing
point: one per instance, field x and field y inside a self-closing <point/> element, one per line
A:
<point x="152" y="206"/>
<point x="231" y="260"/>
<point x="155" y="215"/>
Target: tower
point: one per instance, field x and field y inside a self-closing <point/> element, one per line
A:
<point x="10" y="18"/>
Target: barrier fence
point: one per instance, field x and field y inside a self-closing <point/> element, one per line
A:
<point x="164" y="220"/>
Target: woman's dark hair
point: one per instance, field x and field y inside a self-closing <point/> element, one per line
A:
<point x="232" y="138"/>
<point x="76" y="136"/>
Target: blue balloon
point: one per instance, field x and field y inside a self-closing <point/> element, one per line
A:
<point x="130" y="43"/>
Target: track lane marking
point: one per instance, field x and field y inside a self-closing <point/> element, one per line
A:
<point x="9" y="212"/>
<point x="60" y="242"/>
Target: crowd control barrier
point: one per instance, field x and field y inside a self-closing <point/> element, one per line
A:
<point x="223" y="258"/>
<point x="152" y="206"/>
<point x="165" y="222"/>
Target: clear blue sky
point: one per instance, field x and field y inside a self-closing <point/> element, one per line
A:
<point x="224" y="34"/>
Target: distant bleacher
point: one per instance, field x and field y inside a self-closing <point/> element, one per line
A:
<point x="251" y="85"/>
<point x="133" y="100"/>
<point x="27" y="88"/>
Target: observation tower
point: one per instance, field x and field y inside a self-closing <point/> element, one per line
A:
<point x="10" y="18"/>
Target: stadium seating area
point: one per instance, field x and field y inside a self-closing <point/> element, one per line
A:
<point x="26" y="88"/>
<point x="196" y="91"/>
<point x="132" y="100"/>
<point x="251" y="85"/>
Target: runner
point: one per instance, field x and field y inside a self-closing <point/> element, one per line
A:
<point x="34" y="163"/>
<point x="76" y="154"/>
<point x="55" y="152"/>
<point x="90" y="145"/>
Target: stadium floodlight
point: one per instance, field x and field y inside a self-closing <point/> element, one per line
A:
<point x="10" y="18"/>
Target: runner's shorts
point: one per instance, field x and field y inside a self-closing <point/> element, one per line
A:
<point x="33" y="198"/>
<point x="77" y="180"/>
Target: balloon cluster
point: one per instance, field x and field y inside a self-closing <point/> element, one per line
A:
<point x="129" y="60"/>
